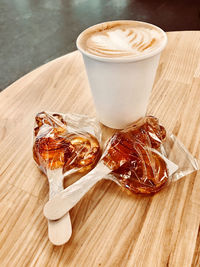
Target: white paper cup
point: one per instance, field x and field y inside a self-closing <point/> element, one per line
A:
<point x="121" y="87"/>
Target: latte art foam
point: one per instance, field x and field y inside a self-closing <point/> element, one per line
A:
<point x="123" y="39"/>
<point x="122" y="42"/>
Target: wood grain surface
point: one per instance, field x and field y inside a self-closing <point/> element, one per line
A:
<point x="110" y="228"/>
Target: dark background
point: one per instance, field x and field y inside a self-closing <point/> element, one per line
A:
<point x="33" y="32"/>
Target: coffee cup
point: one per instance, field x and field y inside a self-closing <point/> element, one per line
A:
<point x="121" y="59"/>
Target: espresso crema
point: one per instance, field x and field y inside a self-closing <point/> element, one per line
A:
<point x="119" y="39"/>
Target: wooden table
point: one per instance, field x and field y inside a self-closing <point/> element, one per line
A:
<point x="110" y="228"/>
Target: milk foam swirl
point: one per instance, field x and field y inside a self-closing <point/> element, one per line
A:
<point x="123" y="41"/>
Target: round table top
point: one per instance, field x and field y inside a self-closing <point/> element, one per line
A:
<point x="110" y="228"/>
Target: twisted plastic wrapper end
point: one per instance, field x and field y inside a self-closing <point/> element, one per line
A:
<point x="175" y="151"/>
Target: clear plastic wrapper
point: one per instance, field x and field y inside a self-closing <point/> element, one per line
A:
<point x="140" y="158"/>
<point x="175" y="151"/>
<point x="64" y="144"/>
<point x="154" y="158"/>
<point x="68" y="142"/>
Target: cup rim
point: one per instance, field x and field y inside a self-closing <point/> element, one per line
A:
<point x="125" y="59"/>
